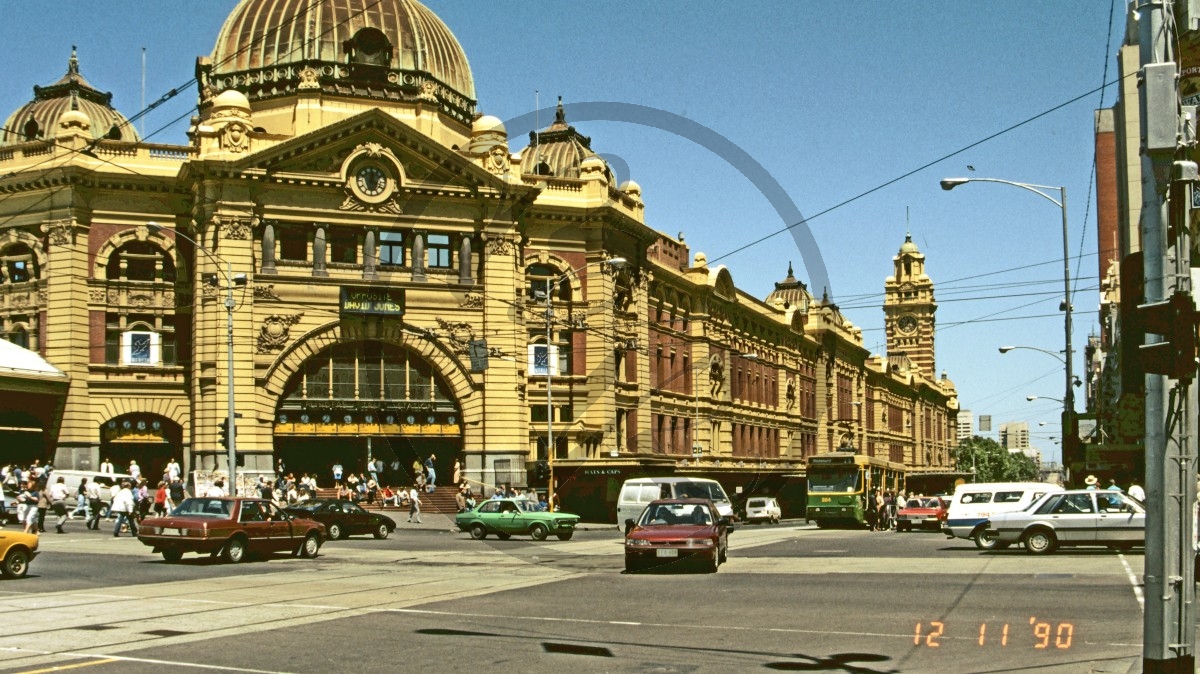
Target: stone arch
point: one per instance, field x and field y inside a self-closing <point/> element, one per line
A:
<point x="141" y="233"/>
<point x="321" y="338"/>
<point x="547" y="258"/>
<point x="177" y="411"/>
<point x="12" y="236"/>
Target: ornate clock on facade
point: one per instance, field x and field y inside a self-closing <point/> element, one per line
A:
<point x="371" y="182"/>
<point x="907" y="323"/>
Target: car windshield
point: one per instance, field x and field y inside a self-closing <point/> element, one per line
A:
<point x="667" y="514"/>
<point x="203" y="507"/>
<point x="310" y="506"/>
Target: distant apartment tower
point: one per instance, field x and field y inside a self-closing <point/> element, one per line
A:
<point x="966" y="423"/>
<point x="1014" y="436"/>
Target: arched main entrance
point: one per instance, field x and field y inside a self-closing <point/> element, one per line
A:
<point x="363" y="400"/>
<point x="149" y="439"/>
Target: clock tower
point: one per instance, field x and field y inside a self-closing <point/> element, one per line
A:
<point x="909" y="307"/>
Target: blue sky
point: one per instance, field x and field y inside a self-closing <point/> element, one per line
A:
<point x="834" y="100"/>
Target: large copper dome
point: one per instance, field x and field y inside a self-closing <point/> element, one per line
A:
<point x="272" y="47"/>
<point x="38" y="119"/>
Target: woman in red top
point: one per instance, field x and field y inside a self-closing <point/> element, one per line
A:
<point x="160" y="499"/>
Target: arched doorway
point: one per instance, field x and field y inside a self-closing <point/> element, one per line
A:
<point x="367" y="400"/>
<point x="149" y="439"/>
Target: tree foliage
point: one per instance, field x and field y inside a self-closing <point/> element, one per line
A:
<point x="993" y="463"/>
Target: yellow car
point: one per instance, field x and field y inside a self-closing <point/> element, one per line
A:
<point x="17" y="549"/>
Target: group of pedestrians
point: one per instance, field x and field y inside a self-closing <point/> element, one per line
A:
<point x="882" y="507"/>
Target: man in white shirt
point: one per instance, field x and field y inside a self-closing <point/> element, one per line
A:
<point x="414" y="497"/>
<point x="95" y="503"/>
<point x="58" y="494"/>
<point x="217" y="490"/>
<point x="122" y="506"/>
<point x="135" y="470"/>
<point x="107" y="467"/>
<point x="172" y="471"/>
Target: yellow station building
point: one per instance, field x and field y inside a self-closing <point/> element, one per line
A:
<point x="375" y="231"/>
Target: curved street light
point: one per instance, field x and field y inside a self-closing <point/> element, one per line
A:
<point x="1068" y="401"/>
<point x="1032" y="398"/>
<point x="1006" y="349"/>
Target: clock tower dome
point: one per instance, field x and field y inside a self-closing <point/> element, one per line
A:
<point x="909" y="308"/>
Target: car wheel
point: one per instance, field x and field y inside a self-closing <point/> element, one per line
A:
<point x="310" y="546"/>
<point x="723" y="555"/>
<point x="335" y="532"/>
<point x="567" y="536"/>
<point x="172" y="555"/>
<point x="478" y="532"/>
<point x="713" y="563"/>
<point x="538" y="532"/>
<point x="503" y="536"/>
<point x="381" y="532"/>
<point x="235" y="550"/>
<point x="16" y="564"/>
<point x="631" y="566"/>
<point x="982" y="540"/>
<point x="1040" y="542"/>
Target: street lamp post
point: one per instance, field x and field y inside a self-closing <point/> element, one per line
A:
<point x="230" y="281"/>
<point x="614" y="262"/>
<point x="1070" y="436"/>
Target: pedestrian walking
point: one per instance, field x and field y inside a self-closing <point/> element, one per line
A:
<point x="123" y="507"/>
<point x="414" y="506"/>
<point x="81" y="501"/>
<point x="160" y="499"/>
<point x="95" y="504"/>
<point x="175" y="493"/>
<point x="457" y="472"/>
<point x="43" y="504"/>
<point x="27" y="506"/>
<point x="58" y="503"/>
<point x="431" y="471"/>
<point x="1136" y="491"/>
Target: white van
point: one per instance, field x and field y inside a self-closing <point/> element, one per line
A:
<point x="72" y="478"/>
<point x="637" y="493"/>
<point x="972" y="504"/>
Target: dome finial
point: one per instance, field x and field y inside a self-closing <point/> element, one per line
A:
<point x="73" y="62"/>
<point x="791" y="275"/>
<point x="560" y="115"/>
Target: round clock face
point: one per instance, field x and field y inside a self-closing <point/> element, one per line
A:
<point x="907" y="323"/>
<point x="371" y="180"/>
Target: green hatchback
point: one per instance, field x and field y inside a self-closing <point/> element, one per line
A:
<point x="505" y="517"/>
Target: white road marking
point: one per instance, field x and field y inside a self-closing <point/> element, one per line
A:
<point x="1137" y="588"/>
<point x="149" y="661"/>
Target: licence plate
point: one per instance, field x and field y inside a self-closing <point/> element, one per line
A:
<point x="667" y="552"/>
<point x="171" y="532"/>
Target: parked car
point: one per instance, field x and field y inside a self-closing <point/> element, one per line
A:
<point x="344" y="518"/>
<point x="17" y="549"/>
<point x="1076" y="517"/>
<point x="505" y="517"/>
<point x="231" y="527"/>
<point x="922" y="512"/>
<point x="763" y="509"/>
<point x="675" y="530"/>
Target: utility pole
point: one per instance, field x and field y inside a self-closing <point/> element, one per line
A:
<point x="1168" y="360"/>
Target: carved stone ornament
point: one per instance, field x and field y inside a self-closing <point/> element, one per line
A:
<point x="309" y="78"/>
<point x="140" y="301"/>
<point x="353" y="204"/>
<point x="265" y="293"/>
<point x="114" y="296"/>
<point x="235" y="137"/>
<point x="275" y="331"/>
<point x="472" y="301"/>
<point x="58" y="231"/>
<point x="496" y="161"/>
<point x="235" y="229"/>
<point x="97" y="295"/>
<point x="499" y="246"/>
<point x="208" y="291"/>
<point x="458" y="334"/>
<point x="428" y="91"/>
<point x="791" y="392"/>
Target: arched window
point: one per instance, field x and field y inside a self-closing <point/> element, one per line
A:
<point x="139" y="340"/>
<point x="19" y="336"/>
<point x="369" y="46"/>
<point x="539" y="278"/>
<point x="18" y="264"/>
<point x="140" y="261"/>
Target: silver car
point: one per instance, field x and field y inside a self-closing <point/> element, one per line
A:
<point x="1078" y="517"/>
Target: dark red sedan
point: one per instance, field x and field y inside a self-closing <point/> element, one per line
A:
<point x="676" y="530"/>
<point x="232" y="528"/>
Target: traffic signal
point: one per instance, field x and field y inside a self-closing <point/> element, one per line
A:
<point x="1175" y="320"/>
<point x="541" y="471"/>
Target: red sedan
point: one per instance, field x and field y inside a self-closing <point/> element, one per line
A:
<point x="922" y="512"/>
<point x="231" y="527"/>
<point x="675" y="530"/>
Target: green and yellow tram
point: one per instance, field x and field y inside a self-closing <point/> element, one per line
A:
<point x="839" y="483"/>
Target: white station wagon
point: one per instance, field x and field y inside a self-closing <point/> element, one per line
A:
<point x="1077" y="517"/>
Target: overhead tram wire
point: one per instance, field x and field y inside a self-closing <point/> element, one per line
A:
<point x="915" y="171"/>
